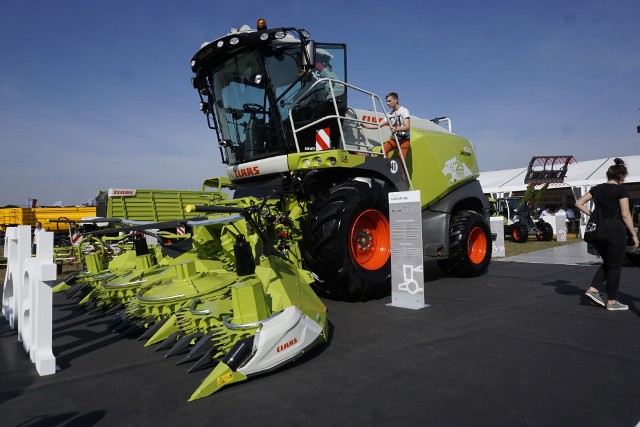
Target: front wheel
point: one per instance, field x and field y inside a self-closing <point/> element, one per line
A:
<point x="346" y="241"/>
<point x="519" y="232"/>
<point x="548" y="232"/>
<point x="469" y="245"/>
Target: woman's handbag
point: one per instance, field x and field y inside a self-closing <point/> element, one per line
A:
<point x="596" y="229"/>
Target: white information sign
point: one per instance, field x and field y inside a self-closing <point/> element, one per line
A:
<point x="561" y="228"/>
<point x="497" y="228"/>
<point x="407" y="261"/>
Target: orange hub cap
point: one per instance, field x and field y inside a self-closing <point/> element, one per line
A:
<point x="370" y="240"/>
<point x="477" y="245"/>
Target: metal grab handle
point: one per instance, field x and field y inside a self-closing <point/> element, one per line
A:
<point x="225" y="321"/>
<point x="118" y="285"/>
<point x="169" y="298"/>
<point x="192" y="308"/>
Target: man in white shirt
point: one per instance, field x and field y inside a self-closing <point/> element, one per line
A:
<point x="400" y="123"/>
<point x="36" y="233"/>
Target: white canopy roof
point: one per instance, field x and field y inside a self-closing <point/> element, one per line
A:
<point x="582" y="173"/>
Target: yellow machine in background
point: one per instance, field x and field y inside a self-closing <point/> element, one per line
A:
<point x="11" y="217"/>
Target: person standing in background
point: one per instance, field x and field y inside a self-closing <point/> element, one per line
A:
<point x="36" y="234"/>
<point x="612" y="201"/>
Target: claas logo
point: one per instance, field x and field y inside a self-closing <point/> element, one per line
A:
<point x="245" y="172"/>
<point x="287" y="345"/>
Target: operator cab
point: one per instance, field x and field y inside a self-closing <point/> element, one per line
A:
<point x="256" y="86"/>
<point x="507" y="207"/>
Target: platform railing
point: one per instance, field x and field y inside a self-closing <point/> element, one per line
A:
<point x="377" y="107"/>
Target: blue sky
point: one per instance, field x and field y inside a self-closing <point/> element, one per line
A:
<point x="96" y="95"/>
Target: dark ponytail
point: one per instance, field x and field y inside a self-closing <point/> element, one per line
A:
<point x="617" y="172"/>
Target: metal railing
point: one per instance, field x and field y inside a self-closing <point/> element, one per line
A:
<point x="345" y="121"/>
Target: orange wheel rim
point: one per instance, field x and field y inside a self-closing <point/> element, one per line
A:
<point x="370" y="240"/>
<point x="477" y="245"/>
<point x="514" y="233"/>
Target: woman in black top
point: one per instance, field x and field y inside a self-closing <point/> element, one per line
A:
<point x="612" y="200"/>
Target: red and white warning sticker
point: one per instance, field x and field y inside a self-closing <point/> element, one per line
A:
<point x="323" y="139"/>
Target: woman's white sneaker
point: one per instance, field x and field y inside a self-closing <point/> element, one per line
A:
<point x="616" y="306"/>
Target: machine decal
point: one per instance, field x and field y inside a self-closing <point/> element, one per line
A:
<point x="259" y="167"/>
<point x="393" y="166"/>
<point x="372" y="119"/>
<point x="121" y="192"/>
<point x="323" y="139"/>
<point x="287" y="345"/>
<point x="224" y="379"/>
<point x="455" y="170"/>
<point x="410" y="284"/>
<point x="245" y="172"/>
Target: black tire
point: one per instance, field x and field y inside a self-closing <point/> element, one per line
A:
<point x="540" y="231"/>
<point x="327" y="244"/>
<point x="545" y="231"/>
<point x="519" y="232"/>
<point x="470" y="245"/>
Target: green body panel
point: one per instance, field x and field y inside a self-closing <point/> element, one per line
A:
<point x="249" y="303"/>
<point x="288" y="285"/>
<point x="221" y="376"/>
<point x="168" y="328"/>
<point x="323" y="160"/>
<point x="156" y="205"/>
<point x="438" y="163"/>
<point x="94" y="263"/>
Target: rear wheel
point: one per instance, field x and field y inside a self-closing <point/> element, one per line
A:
<point x="519" y="232"/>
<point x="545" y="231"/>
<point x="469" y="245"/>
<point x="346" y="241"/>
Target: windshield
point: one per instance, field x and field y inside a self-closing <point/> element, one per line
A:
<point x="241" y="88"/>
<point x="513" y="204"/>
<point x="291" y="85"/>
<point x="242" y="109"/>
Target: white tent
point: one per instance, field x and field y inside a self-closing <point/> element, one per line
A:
<point x="581" y="176"/>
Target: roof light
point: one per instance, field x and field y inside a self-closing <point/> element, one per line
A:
<point x="279" y="35"/>
<point x="234" y="41"/>
<point x="220" y="44"/>
<point x="305" y="33"/>
<point x="264" y="36"/>
<point x="193" y="63"/>
<point x="261" y="24"/>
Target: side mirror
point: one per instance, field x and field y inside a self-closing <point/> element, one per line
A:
<point x="308" y="57"/>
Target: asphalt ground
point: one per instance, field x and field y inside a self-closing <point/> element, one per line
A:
<point x="520" y="345"/>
